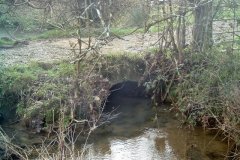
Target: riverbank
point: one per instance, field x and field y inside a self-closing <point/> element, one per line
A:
<point x="204" y="89"/>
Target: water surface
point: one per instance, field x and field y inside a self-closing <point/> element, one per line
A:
<point x="139" y="133"/>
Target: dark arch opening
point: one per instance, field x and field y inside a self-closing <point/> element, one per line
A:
<point x="125" y="89"/>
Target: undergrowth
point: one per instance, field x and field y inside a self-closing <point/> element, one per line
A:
<point x="209" y="89"/>
<point x="205" y="88"/>
<point x="50" y="96"/>
<point x="37" y="89"/>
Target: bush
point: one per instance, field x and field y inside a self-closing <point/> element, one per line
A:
<point x="208" y="93"/>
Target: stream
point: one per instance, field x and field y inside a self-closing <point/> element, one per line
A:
<point x="138" y="133"/>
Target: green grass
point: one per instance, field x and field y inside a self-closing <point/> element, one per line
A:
<point x="126" y="31"/>
<point x="57" y="33"/>
<point x="18" y="78"/>
<point x="45" y="83"/>
<point x="72" y="32"/>
<point x="51" y="34"/>
<point x="6" y="42"/>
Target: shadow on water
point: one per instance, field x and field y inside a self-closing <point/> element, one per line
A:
<point x="138" y="133"/>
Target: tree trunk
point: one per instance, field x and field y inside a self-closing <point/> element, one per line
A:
<point x="181" y="29"/>
<point x="202" y="31"/>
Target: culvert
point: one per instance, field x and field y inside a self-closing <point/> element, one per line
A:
<point x="126" y="89"/>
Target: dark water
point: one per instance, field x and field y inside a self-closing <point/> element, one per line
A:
<point x="139" y="133"/>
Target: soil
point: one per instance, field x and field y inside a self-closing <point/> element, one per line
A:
<point x="59" y="49"/>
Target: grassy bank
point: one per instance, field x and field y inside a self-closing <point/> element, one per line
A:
<point x="35" y="80"/>
<point x="36" y="89"/>
<point x="210" y="82"/>
<point x="50" y="96"/>
<point x="208" y="91"/>
<point x="72" y="32"/>
<point x="6" y="42"/>
<point x="205" y="88"/>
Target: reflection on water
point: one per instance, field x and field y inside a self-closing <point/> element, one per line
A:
<point x="141" y="134"/>
<point x="134" y="135"/>
<point x="143" y="147"/>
